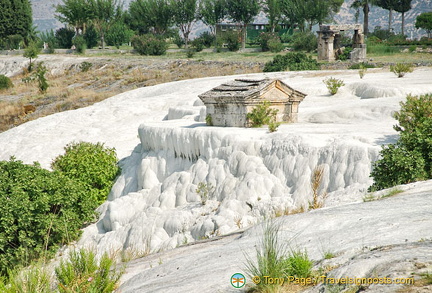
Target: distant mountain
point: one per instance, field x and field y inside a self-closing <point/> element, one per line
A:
<point x="44" y="10"/>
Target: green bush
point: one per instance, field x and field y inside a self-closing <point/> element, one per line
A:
<point x="64" y="37"/>
<point x="41" y="210"/>
<point x="291" y="61"/>
<point x="92" y="164"/>
<point x="270" y="42"/>
<point x="40" y="77"/>
<point x="198" y="44"/>
<point x="80" y="44"/>
<point x="345" y="54"/>
<point x="232" y="39"/>
<point x="400" y="69"/>
<point x="305" y="41"/>
<point x="207" y="39"/>
<point x="381" y="49"/>
<point x="83" y="273"/>
<point x="5" y="82"/>
<point x="333" y="84"/>
<point x="91" y="37"/>
<point x="262" y="115"/>
<point x="178" y="40"/>
<point x="410" y="159"/>
<point x="85" y="66"/>
<point x="149" y="45"/>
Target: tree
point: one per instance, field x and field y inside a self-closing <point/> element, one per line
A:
<point x="273" y="11"/>
<point x="31" y="52"/>
<point x="311" y="11"/>
<point x="15" y="18"/>
<point x="294" y="11"/>
<point x="76" y="13"/>
<point x="104" y="14"/>
<point x="211" y="12"/>
<point x="243" y="12"/>
<point x="403" y="6"/>
<point x="364" y="5"/>
<point x="154" y="16"/>
<point x="118" y="34"/>
<point x="387" y="5"/>
<point x="185" y="15"/>
<point x="424" y="21"/>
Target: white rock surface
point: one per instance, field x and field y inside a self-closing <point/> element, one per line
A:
<point x="389" y="238"/>
<point x="153" y="204"/>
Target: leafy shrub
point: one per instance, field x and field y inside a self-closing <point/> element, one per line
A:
<point x="64" y="37"/>
<point x="270" y="42"/>
<point x="412" y="48"/>
<point x="262" y="115"/>
<point x="91" y="37"/>
<point x="410" y="159"/>
<point x="400" y="69"/>
<point x="291" y="61"/>
<point x="83" y="273"/>
<point x="333" y="84"/>
<point x="85" y="66"/>
<point x="92" y="164"/>
<point x="190" y="53"/>
<point x="362" y="71"/>
<point x="305" y="41"/>
<point x="149" y="45"/>
<point x="382" y="34"/>
<point x="118" y="34"/>
<point x="80" y="44"/>
<point x="5" y="82"/>
<point x="41" y="210"/>
<point x="178" y="40"/>
<point x="204" y="190"/>
<point x="40" y="77"/>
<point x="207" y="39"/>
<point x="345" y="54"/>
<point x="232" y="39"/>
<point x="198" y="44"/>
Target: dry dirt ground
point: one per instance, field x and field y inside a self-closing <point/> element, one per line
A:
<point x="76" y="82"/>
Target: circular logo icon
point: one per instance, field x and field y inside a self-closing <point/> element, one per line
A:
<point x="238" y="280"/>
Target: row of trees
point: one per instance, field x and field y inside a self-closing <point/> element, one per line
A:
<point x="158" y="16"/>
<point x="401" y="6"/>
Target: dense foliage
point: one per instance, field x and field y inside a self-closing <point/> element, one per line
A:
<point x="94" y="165"/>
<point x="304" y="41"/>
<point x="424" y="21"/>
<point x="41" y="210"/>
<point x="15" y="18"/>
<point x="149" y="45"/>
<point x="5" y="82"/>
<point x="410" y="158"/>
<point x="270" y="42"/>
<point x="291" y="61"/>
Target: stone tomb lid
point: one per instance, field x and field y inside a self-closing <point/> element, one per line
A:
<point x="241" y="88"/>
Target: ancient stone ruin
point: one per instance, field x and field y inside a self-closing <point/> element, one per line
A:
<point x="329" y="46"/>
<point x="229" y="103"/>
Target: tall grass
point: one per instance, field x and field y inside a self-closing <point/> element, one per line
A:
<point x="381" y="49"/>
<point x="274" y="259"/>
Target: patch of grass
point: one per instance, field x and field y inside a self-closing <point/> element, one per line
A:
<point x="275" y="260"/>
<point x="392" y="192"/>
<point x="82" y="272"/>
<point x="34" y="279"/>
